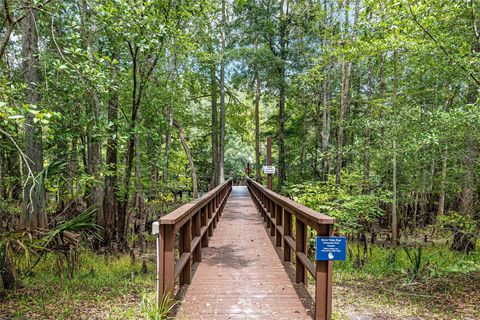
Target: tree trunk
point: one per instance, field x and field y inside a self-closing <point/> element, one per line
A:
<point x="394" y="152"/>
<point x="10" y="22"/>
<point x="326" y="127"/>
<point x="463" y="240"/>
<point x="221" y="158"/>
<point x="468" y="198"/>
<point x="282" y="166"/>
<point x="257" y="124"/>
<point x="190" y="159"/>
<point x="139" y="202"/>
<point x="443" y="174"/>
<point x="1" y="173"/>
<point x="34" y="214"/>
<point x="368" y="132"/>
<point x="94" y="144"/>
<point x="344" y="95"/>
<point x="6" y="36"/>
<point x="74" y="185"/>
<point x="96" y="194"/>
<point x="168" y="142"/>
<point x="382" y="88"/>
<point x="111" y="177"/>
<point x="129" y="154"/>
<point x="214" y="128"/>
<point x="7" y="271"/>
<point x="325" y="133"/>
<point x="303" y="140"/>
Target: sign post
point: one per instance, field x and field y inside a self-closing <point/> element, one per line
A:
<point x="328" y="249"/>
<point x="269" y="162"/>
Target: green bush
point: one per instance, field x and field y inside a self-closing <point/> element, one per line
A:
<point x="348" y="203"/>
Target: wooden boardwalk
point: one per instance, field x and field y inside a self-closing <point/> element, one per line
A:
<point x="241" y="275"/>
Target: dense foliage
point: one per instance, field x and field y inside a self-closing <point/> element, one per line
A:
<point x="127" y="109"/>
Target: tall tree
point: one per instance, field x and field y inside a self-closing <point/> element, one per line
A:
<point x="221" y="153"/>
<point x="394" y="152"/>
<point x="283" y="54"/>
<point x="111" y="176"/>
<point x="326" y="88"/>
<point x="94" y="144"/>
<point x="193" y="171"/>
<point x="257" y="123"/>
<point x="34" y="191"/>
<point x="345" y="87"/>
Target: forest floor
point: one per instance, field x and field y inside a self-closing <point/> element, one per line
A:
<point x="391" y="298"/>
<point x="391" y="285"/>
<point x="114" y="288"/>
<point x="102" y="288"/>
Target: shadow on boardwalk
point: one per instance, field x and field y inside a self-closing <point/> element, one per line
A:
<point x="242" y="275"/>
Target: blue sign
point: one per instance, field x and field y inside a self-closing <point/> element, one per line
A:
<point x="331" y="248"/>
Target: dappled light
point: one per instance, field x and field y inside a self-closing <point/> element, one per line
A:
<point x="240" y="159"/>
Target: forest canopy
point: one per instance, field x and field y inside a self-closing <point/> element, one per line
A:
<point x="115" y="112"/>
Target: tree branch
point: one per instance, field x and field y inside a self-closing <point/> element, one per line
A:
<point x="439" y="45"/>
<point x="11" y="22"/>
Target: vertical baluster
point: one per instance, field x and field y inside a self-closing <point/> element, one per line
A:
<point x="197" y="232"/>
<point x="269" y="210"/>
<point x="210" y="213"/>
<point x="214" y="209"/>
<point x="204" y="218"/>
<point x="219" y="205"/>
<point x="300" y="246"/>
<point x="273" y="229"/>
<point x="264" y="208"/>
<point x="278" y="222"/>
<point x="287" y="229"/>
<point x="185" y="246"/>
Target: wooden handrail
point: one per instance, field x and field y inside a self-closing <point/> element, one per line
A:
<point x="194" y="222"/>
<point x="277" y="211"/>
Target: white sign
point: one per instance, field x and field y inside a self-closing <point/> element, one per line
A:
<point x="269" y="169"/>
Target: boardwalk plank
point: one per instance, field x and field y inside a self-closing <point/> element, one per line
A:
<point x="241" y="275"/>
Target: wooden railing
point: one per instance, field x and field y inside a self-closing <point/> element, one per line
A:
<point x="281" y="214"/>
<point x="193" y="222"/>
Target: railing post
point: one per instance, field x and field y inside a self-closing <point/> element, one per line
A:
<point x="167" y="259"/>
<point x="287" y="229"/>
<point x="219" y="205"/>
<point x="220" y="200"/>
<point x="273" y="228"/>
<point x="278" y="222"/>
<point x="264" y="208"/>
<point x="197" y="232"/>
<point x="269" y="162"/>
<point x="300" y="246"/>
<point x="323" y="285"/>
<point x="269" y="210"/>
<point x="214" y="216"/>
<point x="186" y="246"/>
<point x="209" y="216"/>
<point x="204" y="217"/>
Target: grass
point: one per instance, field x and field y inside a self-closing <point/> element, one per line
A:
<point x="388" y="286"/>
<point x="446" y="286"/>
<point x="436" y="261"/>
<point x="102" y="288"/>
